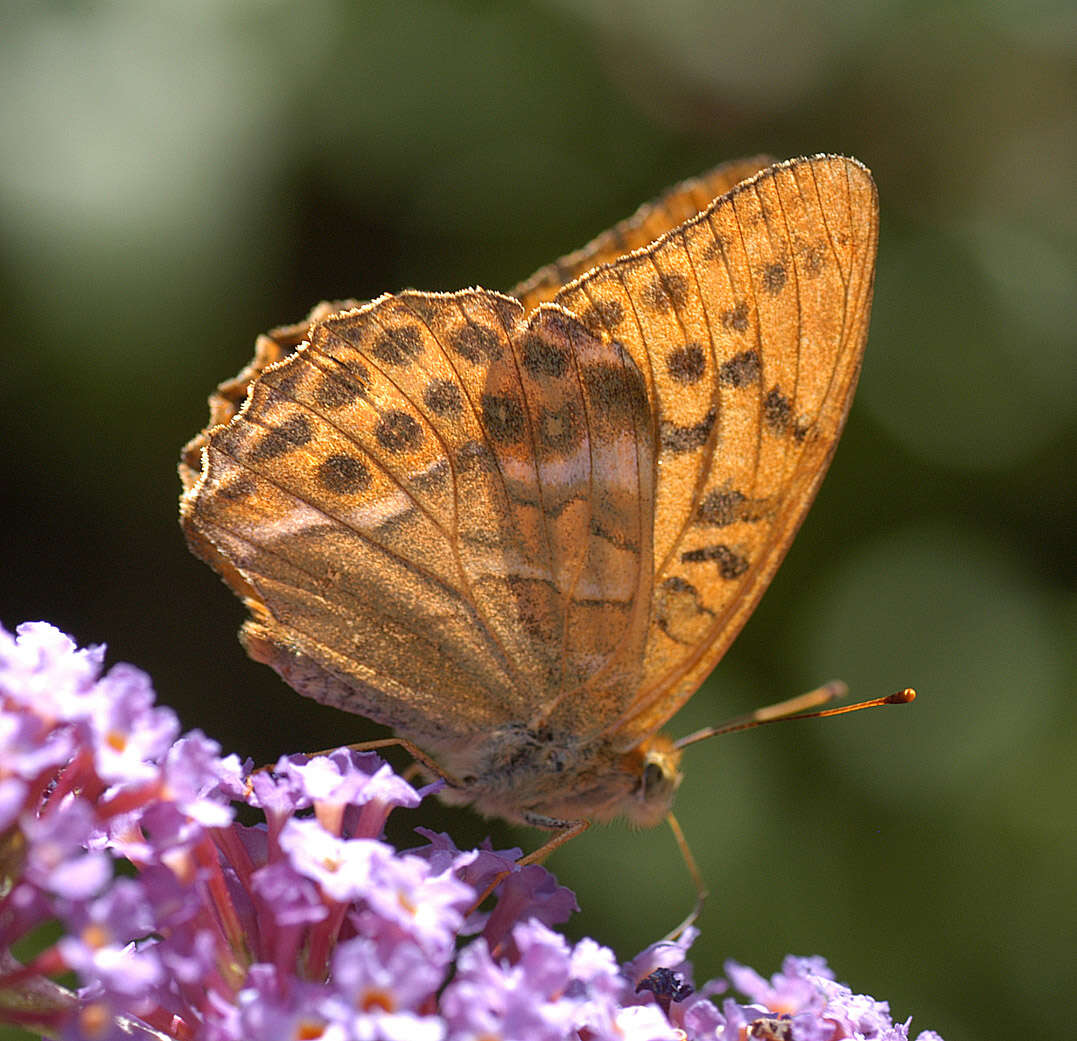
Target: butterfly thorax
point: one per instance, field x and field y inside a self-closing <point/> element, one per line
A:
<point x="546" y="776"/>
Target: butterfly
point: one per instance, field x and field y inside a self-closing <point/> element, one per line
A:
<point x="521" y="528"/>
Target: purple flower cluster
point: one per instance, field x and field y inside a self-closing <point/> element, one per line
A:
<point x="804" y="1003"/>
<point x="306" y="924"/>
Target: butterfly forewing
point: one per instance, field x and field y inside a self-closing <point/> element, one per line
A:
<point x="749" y="323"/>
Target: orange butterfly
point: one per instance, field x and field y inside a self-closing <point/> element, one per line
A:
<point x="522" y="528"/>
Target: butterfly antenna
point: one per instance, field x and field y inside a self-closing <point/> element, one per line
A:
<point x="802" y="707"/>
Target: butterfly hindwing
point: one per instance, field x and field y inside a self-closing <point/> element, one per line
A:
<point x="436" y="511"/>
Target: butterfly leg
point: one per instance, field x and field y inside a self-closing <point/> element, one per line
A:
<point x="422" y="760"/>
<point x="697" y="879"/>
<point x="565" y="830"/>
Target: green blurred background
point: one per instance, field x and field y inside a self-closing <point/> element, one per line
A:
<point x="178" y="177"/>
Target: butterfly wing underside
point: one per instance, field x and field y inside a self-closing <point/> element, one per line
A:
<point x="439" y="512"/>
<point x="749" y="323"/>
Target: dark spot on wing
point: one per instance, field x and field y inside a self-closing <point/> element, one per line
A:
<point x="398" y="346"/>
<point x="284" y="380"/>
<point x="676" y="584"/>
<point x="603" y="315"/>
<point x="721" y="507"/>
<point x="476" y="343"/>
<point x="687" y="364"/>
<point x="543" y="357"/>
<point x="293" y="433"/>
<point x="730" y="564"/>
<point x="348" y="329"/>
<point x="559" y="429"/>
<point x="503" y="417"/>
<point x="740" y="370"/>
<point x="736" y="318"/>
<point x="343" y="474"/>
<point x="777" y="411"/>
<point x="335" y="390"/>
<point x="679" y="611"/>
<point x="443" y="397"/>
<point x="665" y="292"/>
<point x="715" y="250"/>
<point x="774" y="278"/>
<point x="687" y="438"/>
<point x="618" y="389"/>
<point x="353" y="365"/>
<point x="398" y="432"/>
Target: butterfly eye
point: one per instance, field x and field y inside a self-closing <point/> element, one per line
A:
<point x="659" y="776"/>
<point x="653" y="777"/>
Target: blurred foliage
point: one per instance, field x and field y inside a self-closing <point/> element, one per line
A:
<point x="178" y="177"/>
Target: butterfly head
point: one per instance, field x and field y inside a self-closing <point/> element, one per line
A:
<point x="657" y="764"/>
